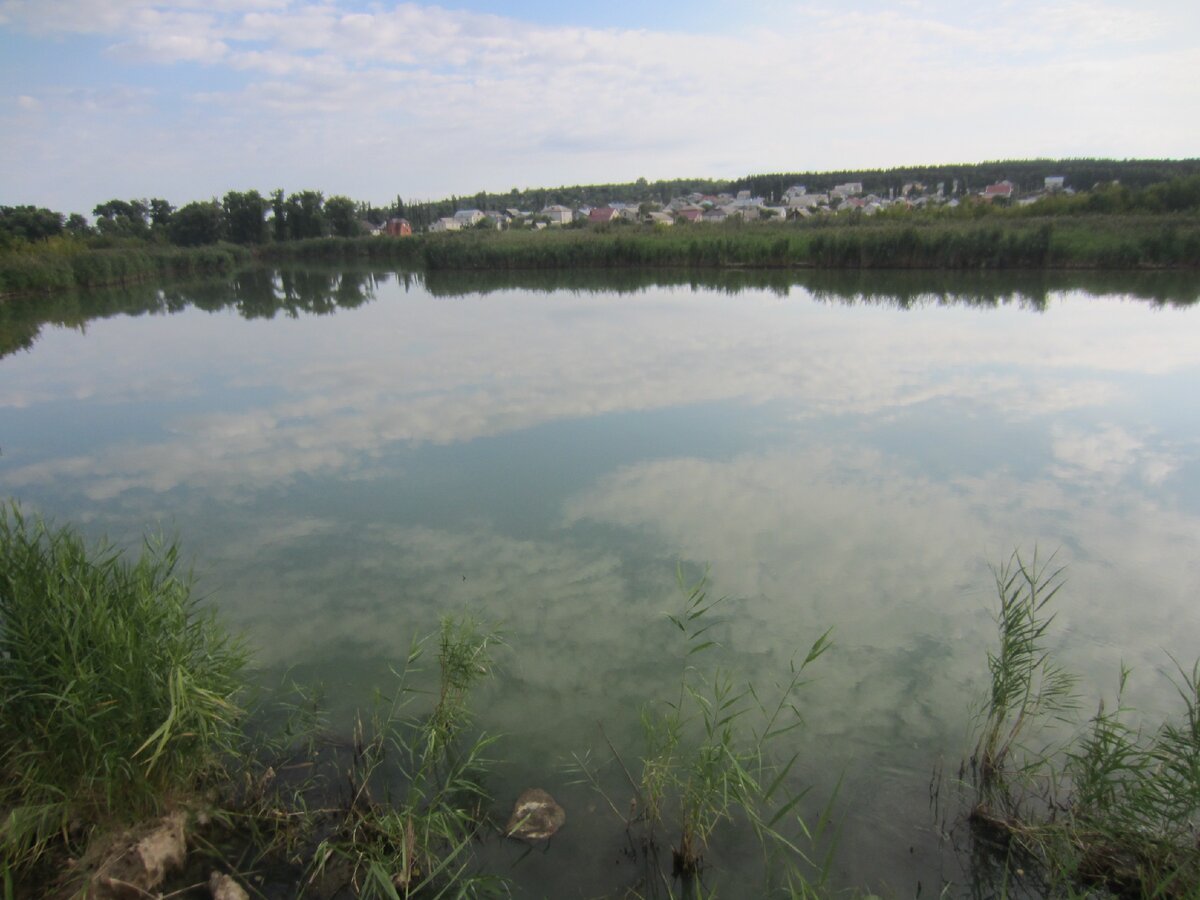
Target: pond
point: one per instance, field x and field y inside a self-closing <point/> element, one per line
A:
<point x="347" y="456"/>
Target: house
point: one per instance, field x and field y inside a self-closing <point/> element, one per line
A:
<point x="1001" y="189"/>
<point x="398" y="228"/>
<point x="446" y="224"/>
<point x="806" y="201"/>
<point x="558" y="215"/>
<point x="849" y="189"/>
<point x="691" y="214"/>
<point x="794" y="194"/>
<point x="661" y="218"/>
<point x="469" y="217"/>
<point x="602" y="214"/>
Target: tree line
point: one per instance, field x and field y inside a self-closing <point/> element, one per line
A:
<point x="251" y="218"/>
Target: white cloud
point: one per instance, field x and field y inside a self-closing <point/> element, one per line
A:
<point x="815" y="89"/>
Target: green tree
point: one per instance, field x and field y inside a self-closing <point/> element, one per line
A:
<point x="305" y="215"/>
<point x="122" y="218"/>
<point x="244" y="214"/>
<point x="196" y="224"/>
<point x="278" y="215"/>
<point x="30" y="223"/>
<point x="341" y="213"/>
<point x="160" y="212"/>
<point x="77" y="225"/>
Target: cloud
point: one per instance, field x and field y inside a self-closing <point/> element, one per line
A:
<point x="324" y="411"/>
<point x="810" y="88"/>
<point x="1109" y="454"/>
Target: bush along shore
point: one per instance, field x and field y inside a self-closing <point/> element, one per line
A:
<point x="134" y="761"/>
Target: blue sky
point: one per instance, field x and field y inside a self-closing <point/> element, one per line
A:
<point x="188" y="99"/>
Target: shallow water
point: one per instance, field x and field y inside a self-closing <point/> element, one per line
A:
<point x="348" y="458"/>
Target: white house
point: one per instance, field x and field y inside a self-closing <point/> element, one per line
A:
<point x="558" y="215"/>
<point x="469" y="217"/>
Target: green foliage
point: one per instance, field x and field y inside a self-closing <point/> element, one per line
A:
<point x="342" y="215"/>
<point x="28" y="223"/>
<point x="71" y="264"/>
<point x="196" y="224"/>
<point x="304" y="215"/>
<point x="915" y="241"/>
<point x="1026" y="685"/>
<point x="121" y="218"/>
<point x="244" y="214"/>
<point x="1116" y="806"/>
<point x="416" y="837"/>
<point x="117" y="691"/>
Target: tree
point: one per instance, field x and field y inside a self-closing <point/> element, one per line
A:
<point x="160" y="212"/>
<point x="305" y="215"/>
<point x="196" y="224"/>
<point x="244" y="214"/>
<point x="77" y="225"/>
<point x="30" y="223"/>
<point x="122" y="218"/>
<point x="279" y="215"/>
<point x="342" y="215"/>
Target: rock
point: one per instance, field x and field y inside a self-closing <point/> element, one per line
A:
<point x="535" y="816"/>
<point x="144" y="863"/>
<point x="223" y="887"/>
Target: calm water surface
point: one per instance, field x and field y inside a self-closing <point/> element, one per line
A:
<point x="848" y="457"/>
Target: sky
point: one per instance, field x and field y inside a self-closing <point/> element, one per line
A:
<point x="188" y="99"/>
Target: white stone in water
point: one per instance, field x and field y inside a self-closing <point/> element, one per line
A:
<point x="535" y="816"/>
<point x="223" y="887"/>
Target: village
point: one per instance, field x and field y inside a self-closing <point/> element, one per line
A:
<point x="795" y="203"/>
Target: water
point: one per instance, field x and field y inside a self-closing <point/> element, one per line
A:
<point x="348" y="457"/>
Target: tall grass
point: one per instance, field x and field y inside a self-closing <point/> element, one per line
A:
<point x="1116" y="805"/>
<point x="63" y="264"/>
<point x="117" y="691"/>
<point x="908" y="241"/>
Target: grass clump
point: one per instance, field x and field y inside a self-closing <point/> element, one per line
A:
<point x="715" y="754"/>
<point x="118" y="693"/>
<point x="1115" y="805"/>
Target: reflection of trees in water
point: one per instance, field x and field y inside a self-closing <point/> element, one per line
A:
<point x="900" y="288"/>
<point x="263" y="293"/>
<point x="256" y="293"/>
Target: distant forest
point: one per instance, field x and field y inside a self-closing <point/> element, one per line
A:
<point x="251" y="218"/>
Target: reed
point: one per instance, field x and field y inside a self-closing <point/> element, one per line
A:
<point x="416" y="796"/>
<point x="1115" y="806"/>
<point x="118" y="692"/>
<point x="714" y="754"/>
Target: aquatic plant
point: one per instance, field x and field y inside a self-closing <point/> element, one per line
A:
<point x="1026" y="685"/>
<point x="1115" y="805"/>
<point x="118" y="691"/>
<point x="716" y="753"/>
<point x="416" y="795"/>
